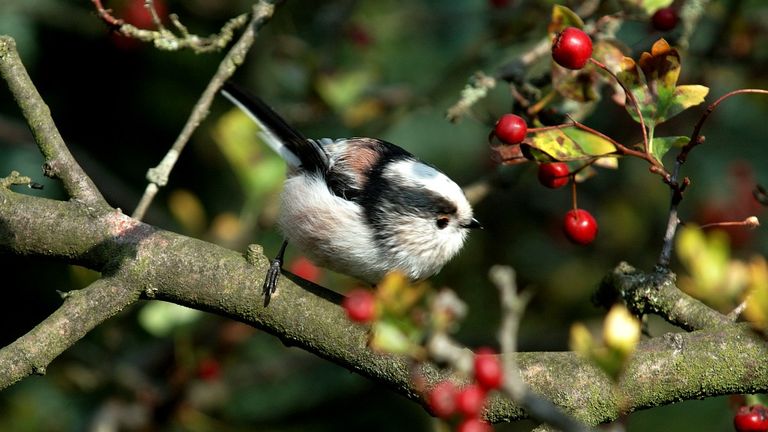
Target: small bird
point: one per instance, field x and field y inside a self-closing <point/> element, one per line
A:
<point x="360" y="206"/>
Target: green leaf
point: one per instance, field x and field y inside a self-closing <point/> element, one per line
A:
<point x="341" y="90"/>
<point x="682" y="98"/>
<point x="633" y="78"/>
<point x="259" y="170"/>
<point x="569" y="144"/>
<point x="161" y="318"/>
<point x="661" y="145"/>
<point x="388" y="337"/>
<point x="563" y="17"/>
<point x="534" y="154"/>
<point x="707" y="258"/>
<point x="647" y="6"/>
<point x="757" y="294"/>
<point x="652" y="6"/>
<point x="653" y="82"/>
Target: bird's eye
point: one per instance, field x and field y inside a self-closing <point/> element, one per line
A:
<point x="442" y="222"/>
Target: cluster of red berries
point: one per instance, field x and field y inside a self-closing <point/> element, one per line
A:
<point x="579" y="225"/>
<point x="751" y="419"/>
<point x="445" y="399"/>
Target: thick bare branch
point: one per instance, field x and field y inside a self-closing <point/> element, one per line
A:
<point x="59" y="162"/>
<point x="657" y="293"/>
<point x="82" y="311"/>
<point x="197" y="274"/>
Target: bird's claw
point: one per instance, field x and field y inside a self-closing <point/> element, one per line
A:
<point x="270" y="282"/>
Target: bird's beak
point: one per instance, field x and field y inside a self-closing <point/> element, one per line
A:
<point x="473" y="224"/>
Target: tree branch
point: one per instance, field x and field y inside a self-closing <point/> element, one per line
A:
<point x="81" y="311"/>
<point x="656" y="293"/>
<point x="140" y="260"/>
<point x="190" y="272"/>
<point x="59" y="162"/>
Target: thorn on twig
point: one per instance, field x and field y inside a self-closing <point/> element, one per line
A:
<point x="14" y="178"/>
<point x="751" y="222"/>
<point x="734" y="314"/>
<point x="65" y="294"/>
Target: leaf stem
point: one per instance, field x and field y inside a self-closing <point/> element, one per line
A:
<point x="632" y="99"/>
<point x="574" y="202"/>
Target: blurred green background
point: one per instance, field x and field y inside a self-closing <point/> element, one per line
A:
<point x="378" y="68"/>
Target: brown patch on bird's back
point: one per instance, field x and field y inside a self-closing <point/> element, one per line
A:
<point x="366" y="156"/>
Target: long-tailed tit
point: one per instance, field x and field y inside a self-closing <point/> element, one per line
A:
<point x="360" y="206"/>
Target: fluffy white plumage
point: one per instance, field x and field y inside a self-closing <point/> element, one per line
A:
<point x="335" y="233"/>
<point x="362" y="206"/>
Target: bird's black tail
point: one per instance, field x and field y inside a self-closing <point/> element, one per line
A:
<point x="289" y="143"/>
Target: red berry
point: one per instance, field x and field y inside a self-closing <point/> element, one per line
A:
<point x="442" y="399"/>
<point x="305" y="269"/>
<point x="359" y="36"/>
<point x="470" y="400"/>
<point x="751" y="419"/>
<point x="554" y="175"/>
<point x="488" y="370"/>
<point x="572" y="48"/>
<point x="209" y="369"/>
<point x="511" y="129"/>
<point x="360" y="305"/>
<point x="665" y="19"/>
<point x="580" y="226"/>
<point x="473" y="425"/>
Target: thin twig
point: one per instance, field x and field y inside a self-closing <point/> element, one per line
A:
<point x="750" y="222"/>
<point x="156" y="20"/>
<point x="513" y="305"/>
<point x="106" y="15"/>
<point x="696" y="137"/>
<point x="163" y="38"/>
<point x="158" y="176"/>
<point x="677" y="187"/>
<point x="736" y="312"/>
<point x="59" y="162"/>
<point x="672" y="219"/>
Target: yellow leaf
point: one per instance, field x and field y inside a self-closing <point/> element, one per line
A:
<point x="757" y="294"/>
<point x="621" y="330"/>
<point x="187" y="209"/>
<point x="581" y="341"/>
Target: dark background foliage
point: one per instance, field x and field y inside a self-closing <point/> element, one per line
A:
<point x="342" y="68"/>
